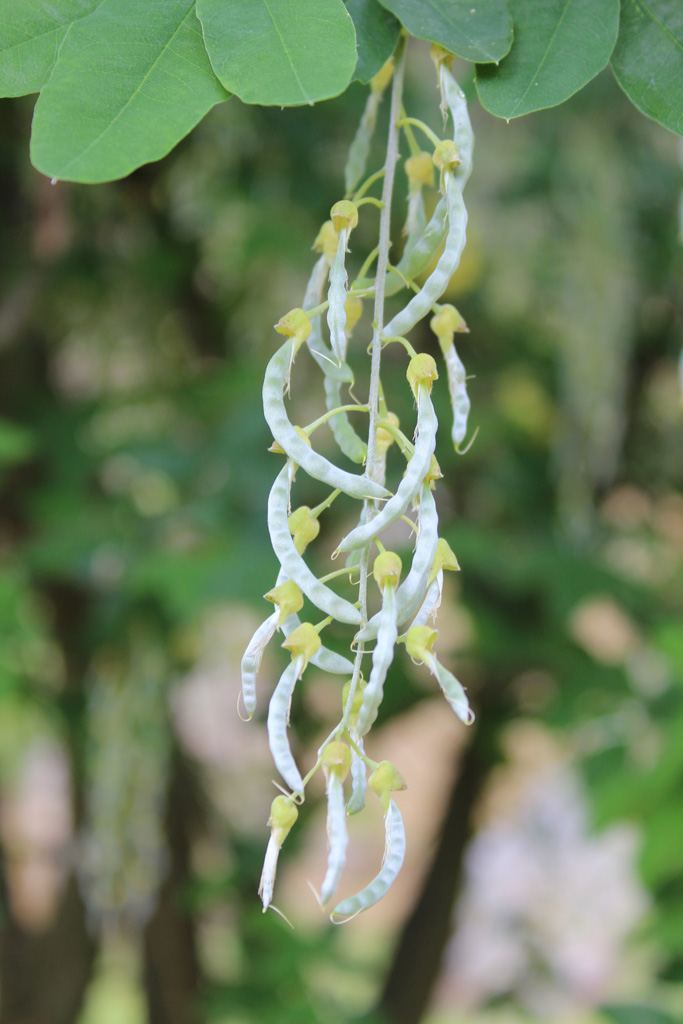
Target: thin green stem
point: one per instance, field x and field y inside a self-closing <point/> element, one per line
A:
<point x="319" y="509"/>
<point x="368" y="183"/>
<point x="372" y="200"/>
<point x="432" y="136"/>
<point x="332" y="412"/>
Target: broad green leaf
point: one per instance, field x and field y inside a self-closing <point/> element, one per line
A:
<point x="30" y="35"/>
<point x="280" y="52"/>
<point x="636" y="1015"/>
<point x="376" y="31"/>
<point x="559" y="46"/>
<point x="473" y="30"/>
<point x="648" y="59"/>
<point x="130" y="81"/>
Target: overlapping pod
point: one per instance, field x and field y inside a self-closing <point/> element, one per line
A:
<point x="294" y="532"/>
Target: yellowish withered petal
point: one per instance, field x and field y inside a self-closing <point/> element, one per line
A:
<point x="303" y="526"/>
<point x="387" y="569"/>
<point x="294" y="324"/>
<point x="419" y="641"/>
<point x="446" y="155"/>
<point x="353" y="307"/>
<point x="283" y="815"/>
<point x="434" y="472"/>
<point x="447" y="322"/>
<point x="420" y="171"/>
<point x="443" y="559"/>
<point x="344" y="214"/>
<point x="336" y="759"/>
<point x="326" y="241"/>
<point x="288" y="598"/>
<point x="440" y="55"/>
<point x="421" y="370"/>
<point x="384" y="439"/>
<point x="303" y="642"/>
<point x="381" y="80"/>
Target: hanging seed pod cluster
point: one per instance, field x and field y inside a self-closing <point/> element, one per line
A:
<point x="408" y="596"/>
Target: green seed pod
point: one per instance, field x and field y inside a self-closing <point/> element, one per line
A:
<point x="288" y="599"/>
<point x="421" y="368"/>
<point x="446" y="156"/>
<point x="303" y="641"/>
<point x="283" y="815"/>
<point x="419" y="642"/>
<point x="344" y="214"/>
<point x="336" y="759"/>
<point x="445" y="324"/>
<point x="444" y="559"/>
<point x="303" y="527"/>
<point x="387" y="569"/>
<point x="420" y="171"/>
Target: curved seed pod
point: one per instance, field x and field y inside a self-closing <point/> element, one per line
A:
<point x="382" y="657"/>
<point x="295" y="447"/>
<point x="292" y="562"/>
<point x="431" y="603"/>
<point x="416" y="471"/>
<point x="324" y="659"/>
<point x="251" y="660"/>
<point x="346" y="437"/>
<point x="462" y="128"/>
<point x="336" y="760"/>
<point x="460" y="402"/>
<point x="453" y="690"/>
<point x="278" y="720"/>
<point x="358" y="776"/>
<point x="416" y="259"/>
<point x="411" y="592"/>
<point x="394" y="854"/>
<point x="316" y="346"/>
<point x="336" y="297"/>
<point x="437" y="282"/>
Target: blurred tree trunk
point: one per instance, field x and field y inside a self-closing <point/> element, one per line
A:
<point x="417" y="961"/>
<point x="172" y="974"/>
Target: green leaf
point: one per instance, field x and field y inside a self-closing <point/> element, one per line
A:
<point x="30" y="35"/>
<point x="475" y="31"/>
<point x="130" y="81"/>
<point x="376" y="31"/>
<point x="636" y="1015"/>
<point x="648" y="59"/>
<point x="280" y="52"/>
<point x="559" y="46"/>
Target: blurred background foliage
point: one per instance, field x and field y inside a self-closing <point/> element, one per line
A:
<point x="545" y="876"/>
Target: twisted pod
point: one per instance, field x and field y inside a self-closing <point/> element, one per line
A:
<point x="411" y="601"/>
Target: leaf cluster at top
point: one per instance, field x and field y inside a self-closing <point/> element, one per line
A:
<point x="121" y="82"/>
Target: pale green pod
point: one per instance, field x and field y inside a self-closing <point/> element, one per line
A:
<point x="318" y="348"/>
<point x="416" y="222"/>
<point x="267" y="883"/>
<point x="336" y="299"/>
<point x="346" y="437"/>
<point x="463" y="135"/>
<point x="251" y="660"/>
<point x="453" y="690"/>
<point x="382" y="657"/>
<point x="411" y="592"/>
<point x="438" y="280"/>
<point x="359" y="780"/>
<point x="394" y="855"/>
<point x="431" y="603"/>
<point x="416" y="259"/>
<point x="292" y="563"/>
<point x="409" y="487"/>
<point x="359" y="149"/>
<point x="320" y="468"/>
<point x="337" y="836"/>
<point x="457" y="387"/>
<point x="278" y="720"/>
